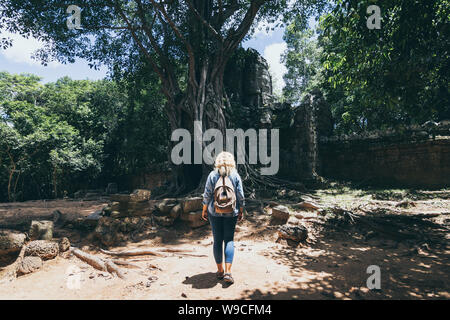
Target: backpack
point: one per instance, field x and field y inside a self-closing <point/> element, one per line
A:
<point x="224" y="196"/>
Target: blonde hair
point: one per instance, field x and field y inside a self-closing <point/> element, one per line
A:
<point x="224" y="163"/>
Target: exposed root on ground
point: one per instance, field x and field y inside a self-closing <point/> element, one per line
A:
<point x="135" y="252"/>
<point x="9" y="273"/>
<point x="98" y="263"/>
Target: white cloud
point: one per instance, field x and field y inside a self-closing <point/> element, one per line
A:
<point x="22" y="49"/>
<point x="272" y="53"/>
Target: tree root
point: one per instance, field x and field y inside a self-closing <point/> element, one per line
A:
<point x="142" y="252"/>
<point x="125" y="264"/>
<point x="190" y="254"/>
<point x="9" y="273"/>
<point x="135" y="252"/>
<point x="112" y="268"/>
<point x="98" y="263"/>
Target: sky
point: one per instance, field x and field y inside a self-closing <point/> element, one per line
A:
<point x="271" y="46"/>
<point x="18" y="58"/>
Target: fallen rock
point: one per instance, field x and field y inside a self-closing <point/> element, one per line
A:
<point x="135" y="209"/>
<point x="165" y="221"/>
<point x="193" y="219"/>
<point x="115" y="214"/>
<point x="139" y="195"/>
<point x="296" y="233"/>
<point x="41" y="230"/>
<point x="107" y="230"/>
<point x="129" y="208"/>
<point x="110" y="231"/>
<point x="130" y="224"/>
<point x="11" y="241"/>
<point x="192" y="204"/>
<point x="28" y="265"/>
<point x="64" y="244"/>
<point x="280" y="213"/>
<point x="95" y="215"/>
<point x="176" y="211"/>
<point x="165" y="206"/>
<point x="115" y="206"/>
<point x="91" y="220"/>
<point x="42" y="248"/>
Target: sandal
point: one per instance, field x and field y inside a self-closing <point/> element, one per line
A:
<point x="219" y="275"/>
<point x="228" y="278"/>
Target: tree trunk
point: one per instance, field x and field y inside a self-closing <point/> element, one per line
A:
<point x="203" y="102"/>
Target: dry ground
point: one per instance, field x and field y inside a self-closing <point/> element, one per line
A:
<point x="331" y="265"/>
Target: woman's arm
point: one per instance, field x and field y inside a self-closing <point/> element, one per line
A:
<point x="207" y="194"/>
<point x="240" y="193"/>
<point x="240" y="197"/>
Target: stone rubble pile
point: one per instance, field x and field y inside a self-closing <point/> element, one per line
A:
<point x="41" y="247"/>
<point x="164" y="212"/>
<point x="130" y="213"/>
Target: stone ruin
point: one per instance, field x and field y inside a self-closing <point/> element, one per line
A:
<point x="413" y="156"/>
<point x="22" y="254"/>
<point x="129" y="213"/>
<point x="418" y="156"/>
<point x="248" y="84"/>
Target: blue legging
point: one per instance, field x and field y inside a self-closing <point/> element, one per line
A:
<point x="223" y="231"/>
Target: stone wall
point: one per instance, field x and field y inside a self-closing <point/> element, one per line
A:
<point x="149" y="180"/>
<point x="415" y="156"/>
<point x="299" y="138"/>
<point x="422" y="163"/>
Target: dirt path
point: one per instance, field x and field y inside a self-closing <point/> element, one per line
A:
<point x="262" y="270"/>
<point x="331" y="265"/>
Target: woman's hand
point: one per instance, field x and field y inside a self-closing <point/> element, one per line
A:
<point x="240" y="216"/>
<point x="205" y="212"/>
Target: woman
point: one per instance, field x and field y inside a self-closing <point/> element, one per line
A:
<point x="223" y="225"/>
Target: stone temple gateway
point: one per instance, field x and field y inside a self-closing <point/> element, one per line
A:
<point x="419" y="156"/>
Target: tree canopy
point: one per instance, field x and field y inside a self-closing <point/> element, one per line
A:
<point x="375" y="78"/>
<point x="169" y="34"/>
<point x="72" y="134"/>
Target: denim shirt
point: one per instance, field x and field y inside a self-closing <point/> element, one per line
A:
<point x="208" y="195"/>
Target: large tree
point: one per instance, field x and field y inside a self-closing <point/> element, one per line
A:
<point x="187" y="43"/>
<point x="388" y="77"/>
<point x="374" y="78"/>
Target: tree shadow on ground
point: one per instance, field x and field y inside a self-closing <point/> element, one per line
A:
<point x="335" y="267"/>
<point x="401" y="194"/>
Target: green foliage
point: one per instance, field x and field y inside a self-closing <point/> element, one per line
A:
<point x="302" y="60"/>
<point x="141" y="132"/>
<point x="75" y="133"/>
<point x="176" y="38"/>
<point x="376" y="78"/>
